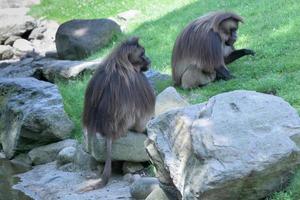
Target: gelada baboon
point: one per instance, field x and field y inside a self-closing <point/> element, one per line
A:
<point x="118" y="98"/>
<point x="204" y="47"/>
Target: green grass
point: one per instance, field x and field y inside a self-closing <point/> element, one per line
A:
<point x="271" y="28"/>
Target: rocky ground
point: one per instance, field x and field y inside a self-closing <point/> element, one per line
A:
<point x="48" y="182"/>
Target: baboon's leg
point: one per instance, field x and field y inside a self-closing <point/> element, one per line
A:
<point x="223" y="73"/>
<point x="195" y="77"/>
<point x="238" y="54"/>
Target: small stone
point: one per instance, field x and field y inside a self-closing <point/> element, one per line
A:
<point x="6" y="52"/>
<point x="48" y="153"/>
<point x="141" y="188"/>
<point x="66" y="155"/>
<point x="131" y="167"/>
<point x="10" y="41"/>
<point x="135" y="177"/>
<point x="23" y="45"/>
<point x="2" y="155"/>
<point x="128" y="177"/>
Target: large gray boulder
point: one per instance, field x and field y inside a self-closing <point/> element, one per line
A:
<point x="47" y="68"/>
<point x="127" y="148"/>
<point x="238" y="145"/>
<point x="31" y="115"/>
<point x="15" y="22"/>
<point x="77" y="39"/>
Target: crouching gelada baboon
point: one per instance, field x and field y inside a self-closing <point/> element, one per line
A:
<point x="118" y="98"/>
<point x="203" y="49"/>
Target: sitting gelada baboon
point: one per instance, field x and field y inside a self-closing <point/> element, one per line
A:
<point x="203" y="49"/>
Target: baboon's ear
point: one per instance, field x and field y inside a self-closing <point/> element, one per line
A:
<point x="133" y="40"/>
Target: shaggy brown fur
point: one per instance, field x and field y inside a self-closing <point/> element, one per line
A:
<point x="118" y="98"/>
<point x="199" y="51"/>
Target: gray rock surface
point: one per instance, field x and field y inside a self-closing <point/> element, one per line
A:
<point x="239" y="145"/>
<point x="11" y="39"/>
<point x="127" y="148"/>
<point x="23" y="46"/>
<point x="169" y="99"/>
<point x="84" y="161"/>
<point x="47" y="182"/>
<point x="22" y="159"/>
<point x="6" y="52"/>
<point x="66" y="155"/>
<point x="47" y="68"/>
<point x="31" y="115"/>
<point x="15" y="22"/>
<point x="131" y="167"/>
<point x="43" y="37"/>
<point x="158" y="194"/>
<point x="142" y="187"/>
<point x="17" y="3"/>
<point x="49" y="153"/>
<point x="77" y="39"/>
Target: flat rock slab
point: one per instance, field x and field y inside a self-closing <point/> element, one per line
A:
<point x="47" y="68"/>
<point x="47" y="182"/>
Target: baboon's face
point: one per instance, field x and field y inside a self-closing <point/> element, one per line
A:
<point x="228" y="31"/>
<point x="139" y="60"/>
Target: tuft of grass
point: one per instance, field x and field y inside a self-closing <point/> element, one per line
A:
<point x="72" y="92"/>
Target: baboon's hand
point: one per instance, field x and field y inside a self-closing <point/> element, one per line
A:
<point x="249" y="52"/>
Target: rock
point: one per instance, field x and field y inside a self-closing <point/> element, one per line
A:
<point x="127" y="148"/>
<point x="43" y="37"/>
<point x="47" y="182"/>
<point x="17" y="3"/>
<point x="84" y="161"/>
<point x="31" y="115"/>
<point x="11" y="39"/>
<point x="63" y="69"/>
<point x="37" y="33"/>
<point x="239" y="144"/>
<point x="2" y="155"/>
<point x="18" y="69"/>
<point x="127" y="177"/>
<point x="22" y="159"/>
<point x="15" y="22"/>
<point x="141" y="188"/>
<point x="77" y="39"/>
<point x="6" y="52"/>
<point x="23" y="45"/>
<point x="169" y="99"/>
<point x="48" y="153"/>
<point x="131" y="167"/>
<point x="128" y="15"/>
<point x="48" y="69"/>
<point x="66" y="155"/>
<point x="158" y="194"/>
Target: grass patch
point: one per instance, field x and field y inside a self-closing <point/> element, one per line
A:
<point x="271" y="29"/>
